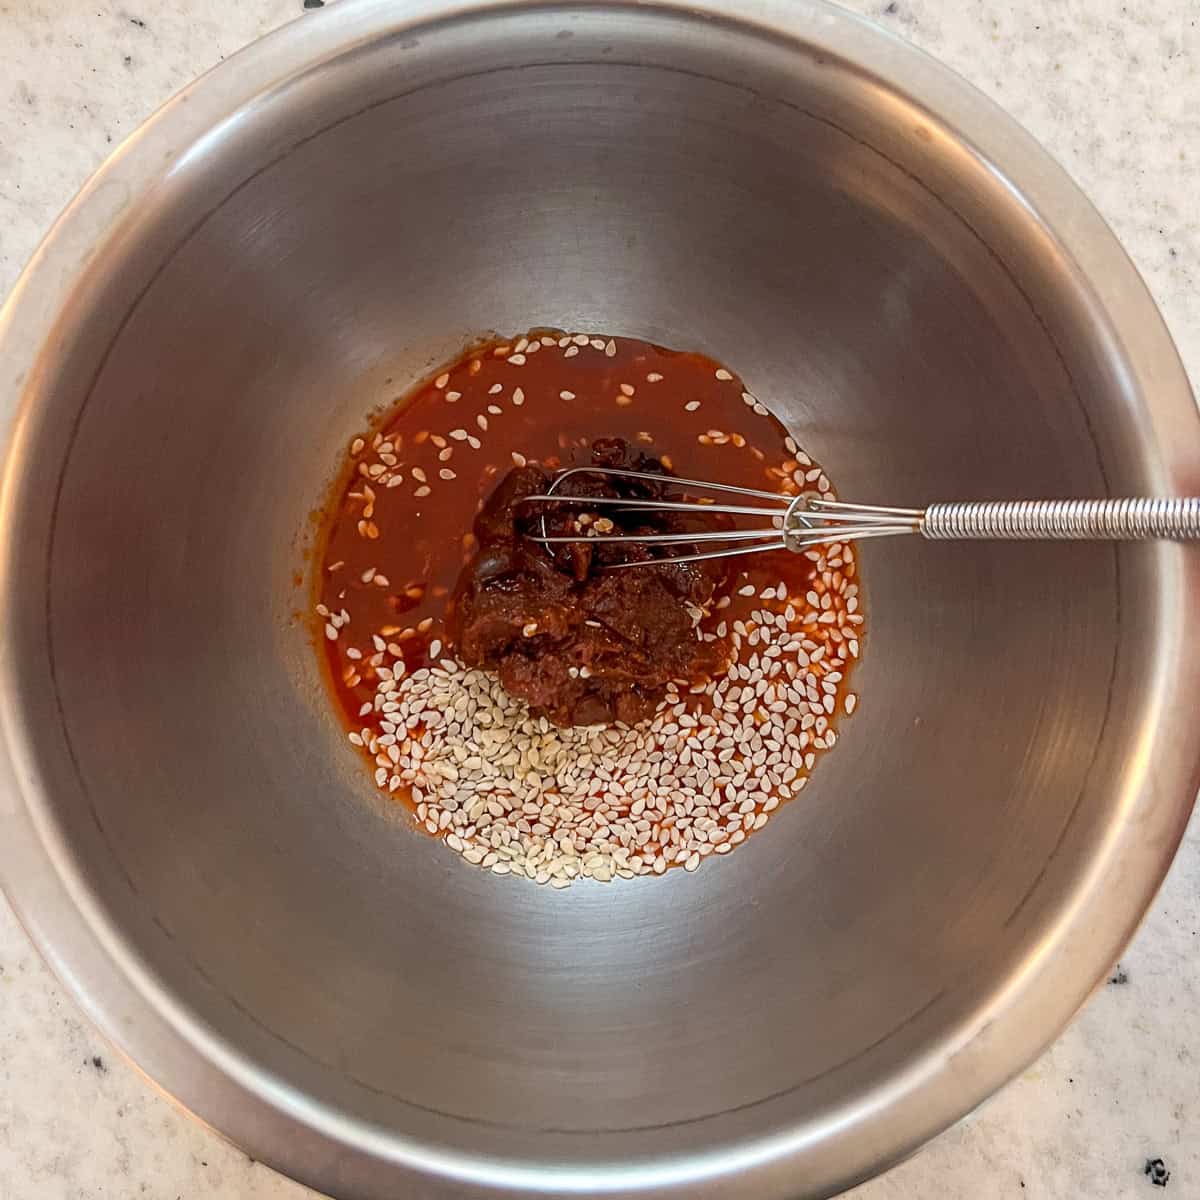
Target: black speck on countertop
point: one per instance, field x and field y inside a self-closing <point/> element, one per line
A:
<point x="138" y="22"/>
<point x="892" y="8"/>
<point x="314" y="3"/>
<point x="1119" y="976"/>
<point x="98" y="1063"/>
<point x="1156" y="1170"/>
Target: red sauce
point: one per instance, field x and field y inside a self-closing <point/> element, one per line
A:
<point x="397" y="533"/>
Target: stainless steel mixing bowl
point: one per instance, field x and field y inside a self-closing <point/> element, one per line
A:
<point x="927" y="301"/>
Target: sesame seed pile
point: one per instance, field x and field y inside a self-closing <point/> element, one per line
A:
<point x="514" y="794"/>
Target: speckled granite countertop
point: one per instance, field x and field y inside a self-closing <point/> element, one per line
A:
<point x="1114" y="91"/>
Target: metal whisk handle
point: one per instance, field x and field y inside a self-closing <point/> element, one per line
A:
<point x="1065" y="520"/>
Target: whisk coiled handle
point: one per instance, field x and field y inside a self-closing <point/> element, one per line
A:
<point x="1065" y="520"/>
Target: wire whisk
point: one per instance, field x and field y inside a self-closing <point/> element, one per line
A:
<point x="799" y="522"/>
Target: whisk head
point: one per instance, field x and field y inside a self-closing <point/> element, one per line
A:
<point x="791" y="522"/>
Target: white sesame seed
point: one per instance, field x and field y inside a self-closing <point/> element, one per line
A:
<point x="691" y="406"/>
<point x="441" y="381"/>
<point x="723" y="375"/>
<point x="564" y="395"/>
